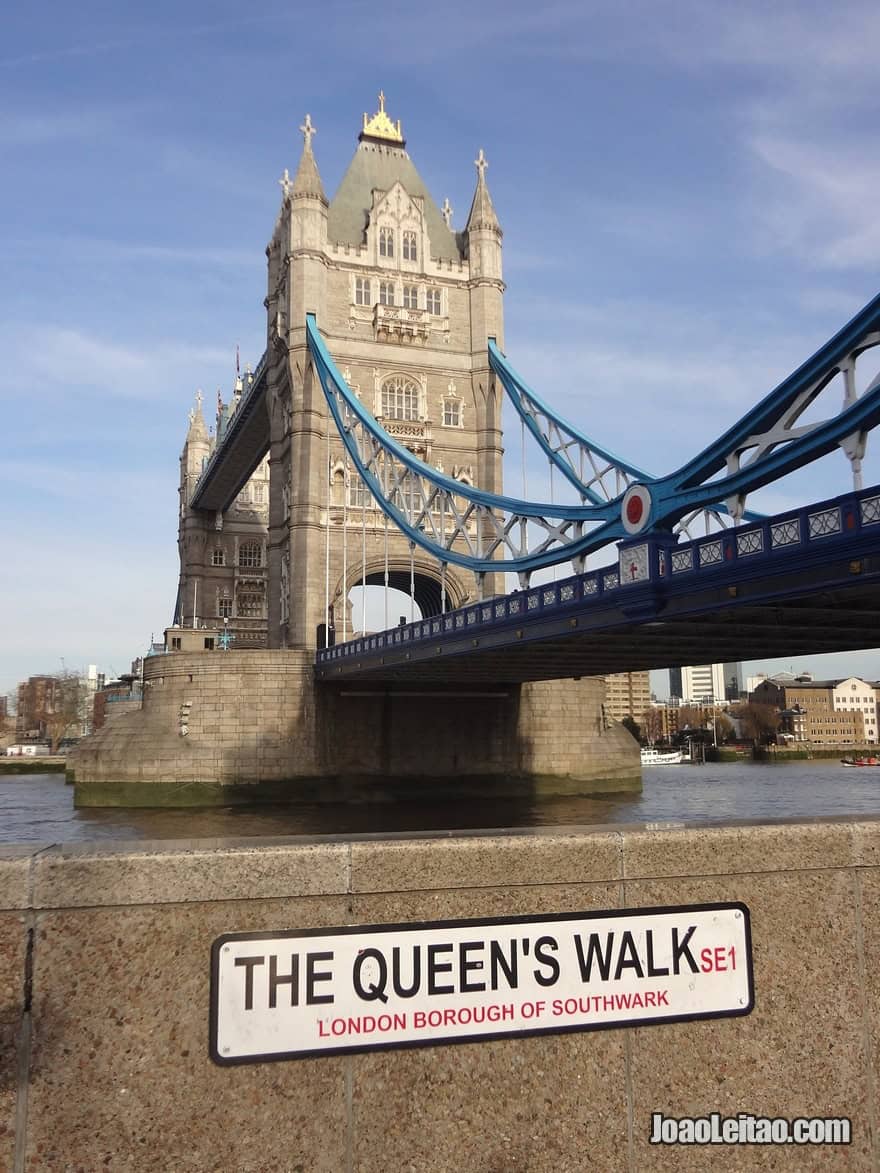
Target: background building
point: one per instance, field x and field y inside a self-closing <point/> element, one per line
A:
<point x="733" y="681"/>
<point x="115" y="698"/>
<point x="701" y="684"/>
<point x="57" y="707"/>
<point x="38" y="699"/>
<point x="830" y="712"/>
<point x="627" y="694"/>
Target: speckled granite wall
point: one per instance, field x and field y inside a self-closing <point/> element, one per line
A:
<point x="110" y="1068"/>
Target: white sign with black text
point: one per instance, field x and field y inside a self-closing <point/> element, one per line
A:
<point x="315" y="992"/>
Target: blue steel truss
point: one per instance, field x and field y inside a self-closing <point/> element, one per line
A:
<point x="456" y="522"/>
<point x="819" y="534"/>
<point x="597" y="474"/>
<point x="488" y="532"/>
<point x="769" y="441"/>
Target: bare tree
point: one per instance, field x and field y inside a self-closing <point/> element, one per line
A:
<point x="758" y="721"/>
<point x="652" y="724"/>
<point x="691" y="716"/>
<point x="64" y="708"/>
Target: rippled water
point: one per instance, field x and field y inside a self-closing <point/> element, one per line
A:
<point x="40" y="807"/>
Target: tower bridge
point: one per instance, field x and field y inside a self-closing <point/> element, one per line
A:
<point x="366" y="448"/>
<point x="803" y="582"/>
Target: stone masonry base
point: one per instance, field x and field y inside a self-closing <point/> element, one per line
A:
<point x="251" y="726"/>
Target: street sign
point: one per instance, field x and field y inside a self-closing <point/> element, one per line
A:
<point x="311" y="992"/>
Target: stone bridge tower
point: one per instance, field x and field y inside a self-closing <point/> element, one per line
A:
<point x="406" y="304"/>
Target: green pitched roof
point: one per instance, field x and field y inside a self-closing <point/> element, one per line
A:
<point x="376" y="166"/>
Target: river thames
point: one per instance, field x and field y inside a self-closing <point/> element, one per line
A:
<point x="39" y="807"/>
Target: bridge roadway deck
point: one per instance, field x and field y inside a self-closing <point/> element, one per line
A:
<point x="243" y="446"/>
<point x="806" y="582"/>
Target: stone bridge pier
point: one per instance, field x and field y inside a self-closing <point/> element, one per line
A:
<point x="253" y="726"/>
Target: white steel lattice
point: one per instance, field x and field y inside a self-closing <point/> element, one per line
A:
<point x="824" y="523"/>
<point x="749" y="542"/>
<point x="786" y="533"/>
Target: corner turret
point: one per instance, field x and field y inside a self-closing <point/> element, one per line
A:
<point x="482" y="213"/>
<point x="307" y="181"/>
<point x="298" y="245"/>
<point x="484" y="254"/>
<point x="197" y="446"/>
<point x="486" y="290"/>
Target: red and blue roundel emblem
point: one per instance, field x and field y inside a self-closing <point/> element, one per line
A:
<point x="635" y="509"/>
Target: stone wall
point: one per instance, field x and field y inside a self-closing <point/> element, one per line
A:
<point x="208" y="720"/>
<point x="218" y="726"/>
<point x="104" y="1015"/>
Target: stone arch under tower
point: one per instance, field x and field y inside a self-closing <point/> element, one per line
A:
<point x="428" y="592"/>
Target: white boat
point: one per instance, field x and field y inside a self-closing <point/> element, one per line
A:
<point x="663" y="757"/>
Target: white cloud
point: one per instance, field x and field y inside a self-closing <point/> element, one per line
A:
<point x="56" y="358"/>
<point x="48" y="481"/>
<point x="695" y="35"/>
<point x="823" y="208"/>
<point x="93" y="249"/>
<point x="28" y="130"/>
<point x="658" y="384"/>
<point x="144" y="39"/>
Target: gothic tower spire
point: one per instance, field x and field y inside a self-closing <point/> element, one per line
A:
<point x="486" y="290"/>
<point x="197" y="432"/>
<point x="307" y="181"/>
<point x="482" y="213"/>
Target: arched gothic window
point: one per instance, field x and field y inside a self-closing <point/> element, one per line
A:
<point x="358" y="496"/>
<point x="386" y="242"/>
<point x="410" y="252"/>
<point x="400" y="399"/>
<point x="363" y="292"/>
<point x="451" y="412"/>
<point x="250" y="554"/>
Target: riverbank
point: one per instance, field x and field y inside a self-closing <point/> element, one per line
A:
<point x="774" y="754"/>
<point x="55" y="764"/>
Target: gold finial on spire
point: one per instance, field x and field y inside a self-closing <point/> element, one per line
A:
<point x="380" y="127"/>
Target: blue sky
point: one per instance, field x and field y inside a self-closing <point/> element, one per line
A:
<point x="687" y="190"/>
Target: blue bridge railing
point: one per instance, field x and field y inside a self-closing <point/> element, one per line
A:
<point x="817" y="527"/>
